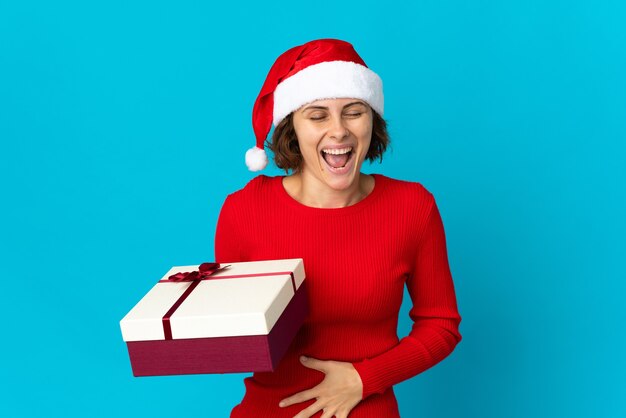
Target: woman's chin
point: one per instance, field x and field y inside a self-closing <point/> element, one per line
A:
<point x="340" y="181"/>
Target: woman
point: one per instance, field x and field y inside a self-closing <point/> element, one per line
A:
<point x="362" y="238"/>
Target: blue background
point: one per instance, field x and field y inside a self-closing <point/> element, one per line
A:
<point x="123" y="126"/>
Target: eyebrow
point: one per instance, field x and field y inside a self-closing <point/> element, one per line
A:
<point x="326" y="108"/>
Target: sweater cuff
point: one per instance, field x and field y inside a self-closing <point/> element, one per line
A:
<point x="383" y="371"/>
<point x="369" y="379"/>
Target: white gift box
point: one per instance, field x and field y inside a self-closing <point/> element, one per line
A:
<point x="241" y="318"/>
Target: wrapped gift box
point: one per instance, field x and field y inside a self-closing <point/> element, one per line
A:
<point x="242" y="318"/>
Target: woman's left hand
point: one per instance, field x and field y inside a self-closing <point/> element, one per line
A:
<point x="339" y="392"/>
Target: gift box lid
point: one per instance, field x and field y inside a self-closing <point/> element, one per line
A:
<point x="221" y="306"/>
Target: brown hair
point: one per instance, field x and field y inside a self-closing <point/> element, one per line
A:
<point x="287" y="156"/>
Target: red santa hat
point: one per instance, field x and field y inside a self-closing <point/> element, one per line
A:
<point x="319" y="69"/>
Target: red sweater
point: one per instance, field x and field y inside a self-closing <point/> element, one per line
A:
<point x="357" y="260"/>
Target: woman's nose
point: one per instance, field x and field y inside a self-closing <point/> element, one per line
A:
<point x="338" y="128"/>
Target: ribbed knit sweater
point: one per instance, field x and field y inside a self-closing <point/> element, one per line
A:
<point x="357" y="260"/>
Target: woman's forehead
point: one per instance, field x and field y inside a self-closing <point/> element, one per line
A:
<point x="327" y="103"/>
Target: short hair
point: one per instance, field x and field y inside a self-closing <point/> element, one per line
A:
<point x="287" y="156"/>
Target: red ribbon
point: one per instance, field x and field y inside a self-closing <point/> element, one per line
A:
<point x="204" y="272"/>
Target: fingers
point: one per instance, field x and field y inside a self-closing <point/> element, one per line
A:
<point x="310" y="410"/>
<point x="314" y="363"/>
<point x="298" y="397"/>
<point x="328" y="413"/>
<point x="336" y="395"/>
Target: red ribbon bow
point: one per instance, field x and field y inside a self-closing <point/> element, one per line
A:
<point x="204" y="271"/>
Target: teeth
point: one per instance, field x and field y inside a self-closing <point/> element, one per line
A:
<point x="337" y="151"/>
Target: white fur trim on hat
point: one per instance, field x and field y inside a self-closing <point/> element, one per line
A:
<point x="256" y="159"/>
<point x="328" y="80"/>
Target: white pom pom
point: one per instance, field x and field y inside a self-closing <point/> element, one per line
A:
<point x="256" y="159"/>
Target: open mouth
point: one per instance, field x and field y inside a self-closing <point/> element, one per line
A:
<point x="337" y="160"/>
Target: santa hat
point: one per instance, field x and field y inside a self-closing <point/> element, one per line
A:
<point x="319" y="69"/>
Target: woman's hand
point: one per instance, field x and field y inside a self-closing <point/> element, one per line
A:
<point x="339" y="392"/>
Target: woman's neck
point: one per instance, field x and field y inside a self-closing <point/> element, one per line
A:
<point x="311" y="191"/>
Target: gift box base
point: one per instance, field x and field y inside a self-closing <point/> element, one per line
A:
<point x="248" y="353"/>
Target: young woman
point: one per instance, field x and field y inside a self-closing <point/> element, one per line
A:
<point x="362" y="238"/>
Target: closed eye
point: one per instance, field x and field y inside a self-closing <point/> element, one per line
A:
<point x="347" y="114"/>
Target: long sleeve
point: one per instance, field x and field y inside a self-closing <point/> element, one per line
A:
<point x="434" y="333"/>
<point x="226" y="234"/>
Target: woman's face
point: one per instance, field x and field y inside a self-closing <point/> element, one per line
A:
<point x="326" y="129"/>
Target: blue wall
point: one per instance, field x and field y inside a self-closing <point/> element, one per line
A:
<point x="123" y="125"/>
